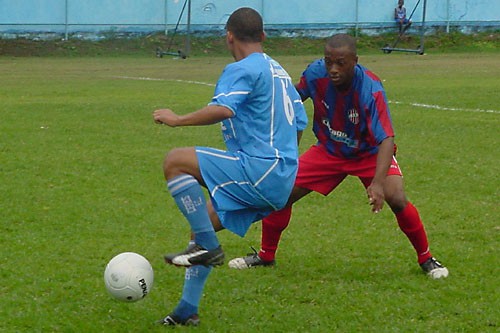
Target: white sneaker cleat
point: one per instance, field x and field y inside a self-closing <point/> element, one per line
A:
<point x="251" y="260"/>
<point x="434" y="269"/>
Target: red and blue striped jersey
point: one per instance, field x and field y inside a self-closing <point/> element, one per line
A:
<point x="349" y="124"/>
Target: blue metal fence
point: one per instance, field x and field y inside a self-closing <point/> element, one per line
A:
<point x="76" y="17"/>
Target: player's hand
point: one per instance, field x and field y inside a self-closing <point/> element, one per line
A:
<point x="166" y="117"/>
<point x="376" y="197"/>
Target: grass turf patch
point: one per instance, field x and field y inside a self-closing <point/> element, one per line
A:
<point x="81" y="180"/>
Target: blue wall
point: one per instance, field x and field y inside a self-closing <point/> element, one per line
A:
<point x="72" y="16"/>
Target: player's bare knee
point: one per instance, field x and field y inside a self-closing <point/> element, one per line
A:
<point x="397" y="202"/>
<point x="171" y="163"/>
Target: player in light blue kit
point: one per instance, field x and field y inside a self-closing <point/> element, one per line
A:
<point x="262" y="119"/>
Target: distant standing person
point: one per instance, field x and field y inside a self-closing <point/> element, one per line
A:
<point x="262" y="117"/>
<point x="400" y="17"/>
<point x="355" y="137"/>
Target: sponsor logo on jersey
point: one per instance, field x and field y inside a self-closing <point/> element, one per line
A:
<point x="340" y="136"/>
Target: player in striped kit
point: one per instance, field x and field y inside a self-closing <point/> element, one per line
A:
<point x="355" y="137"/>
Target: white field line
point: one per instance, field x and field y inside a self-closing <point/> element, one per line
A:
<point x="437" y="107"/>
<point x="157" y="79"/>
<point x="420" y="105"/>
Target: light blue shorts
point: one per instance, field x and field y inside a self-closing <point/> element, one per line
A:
<point x="236" y="200"/>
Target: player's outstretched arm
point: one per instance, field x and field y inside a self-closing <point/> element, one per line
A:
<point x="208" y="115"/>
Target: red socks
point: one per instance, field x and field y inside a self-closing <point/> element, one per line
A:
<point x="408" y="220"/>
<point x="272" y="228"/>
<point x="410" y="223"/>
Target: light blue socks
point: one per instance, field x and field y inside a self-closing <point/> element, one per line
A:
<point x="189" y="197"/>
<point x="194" y="281"/>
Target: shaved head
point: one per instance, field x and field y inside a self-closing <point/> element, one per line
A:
<point x="246" y="25"/>
<point x="342" y="40"/>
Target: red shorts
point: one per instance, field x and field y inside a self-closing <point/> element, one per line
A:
<point x="322" y="172"/>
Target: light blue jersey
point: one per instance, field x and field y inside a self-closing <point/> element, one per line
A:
<point x="265" y="103"/>
<point x="256" y="174"/>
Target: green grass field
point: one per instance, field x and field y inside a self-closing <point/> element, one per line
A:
<point x="81" y="181"/>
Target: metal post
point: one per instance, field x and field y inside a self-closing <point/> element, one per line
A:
<point x="262" y="9"/>
<point x="165" y="16"/>
<point x="66" y="20"/>
<point x="187" y="47"/>
<point x="422" y="31"/>
<point x="448" y="16"/>
<point x="357" y="19"/>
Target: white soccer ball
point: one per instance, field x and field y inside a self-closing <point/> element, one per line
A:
<point x="129" y="277"/>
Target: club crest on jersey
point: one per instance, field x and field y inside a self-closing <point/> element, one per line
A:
<point x="353" y="116"/>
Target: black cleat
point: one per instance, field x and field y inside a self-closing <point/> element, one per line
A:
<point x="194" y="254"/>
<point x="173" y="320"/>
<point x="169" y="256"/>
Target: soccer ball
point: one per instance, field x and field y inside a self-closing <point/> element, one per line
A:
<point x="129" y="277"/>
